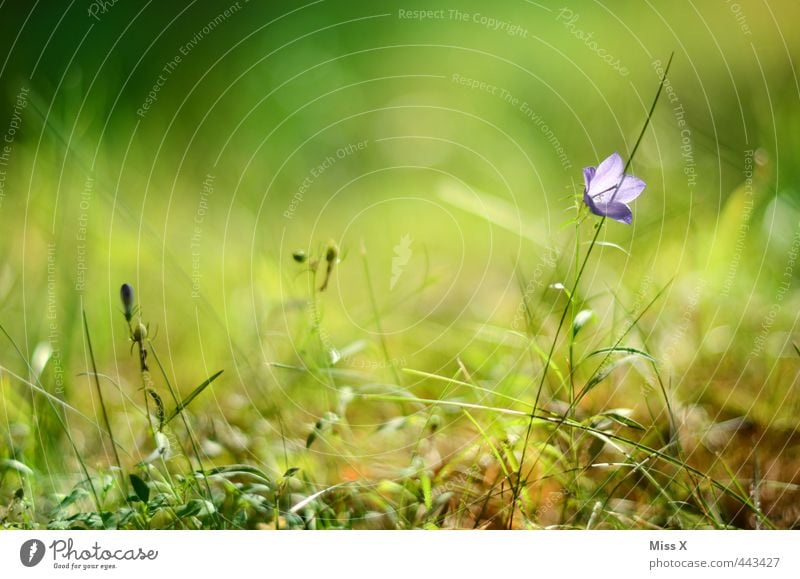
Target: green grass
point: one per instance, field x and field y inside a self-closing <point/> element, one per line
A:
<point x="468" y="444"/>
<point x="474" y="447"/>
<point x="440" y="335"/>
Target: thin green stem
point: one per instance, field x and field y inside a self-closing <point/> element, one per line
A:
<point x="374" y="302"/>
<point x="137" y="336"/>
<point x="106" y="421"/>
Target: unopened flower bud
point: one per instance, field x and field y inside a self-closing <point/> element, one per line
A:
<point x="330" y="255"/>
<point x="126" y="295"/>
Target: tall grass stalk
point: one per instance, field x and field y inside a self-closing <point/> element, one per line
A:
<point x="376" y="312"/>
<point x="106" y="421"/>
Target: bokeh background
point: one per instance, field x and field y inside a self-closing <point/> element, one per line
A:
<point x="188" y="148"/>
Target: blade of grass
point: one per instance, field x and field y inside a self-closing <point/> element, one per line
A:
<point x="313" y="497"/>
<point x="376" y="312"/>
<point x="106" y="421"/>
<point x="190" y="398"/>
<point x="438" y="377"/>
<point x="489" y="442"/>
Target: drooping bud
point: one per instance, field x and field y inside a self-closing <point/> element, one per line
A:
<point x="126" y="295"/>
<point x="331" y="255"/>
<point x="333" y="251"/>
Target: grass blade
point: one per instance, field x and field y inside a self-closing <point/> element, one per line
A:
<point x="194" y="394"/>
<point x="623" y="349"/>
<point x="106" y="421"/>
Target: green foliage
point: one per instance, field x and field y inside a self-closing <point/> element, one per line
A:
<point x="619" y="381"/>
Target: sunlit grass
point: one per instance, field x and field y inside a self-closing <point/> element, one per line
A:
<point x="433" y="337"/>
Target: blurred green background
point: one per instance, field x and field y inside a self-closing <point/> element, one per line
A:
<point x="189" y="148"/>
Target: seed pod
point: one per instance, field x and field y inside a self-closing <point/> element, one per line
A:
<point x="299" y="256"/>
<point x="333" y="251"/>
<point x="126" y="295"/>
<point x="330" y="256"/>
<point x="139" y="332"/>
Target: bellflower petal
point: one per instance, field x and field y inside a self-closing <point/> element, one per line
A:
<point x="608" y="174"/>
<point x="589" y="202"/>
<point x="588" y="175"/>
<point x="617" y="211"/>
<point x="630" y="189"/>
<point x="607" y="191"/>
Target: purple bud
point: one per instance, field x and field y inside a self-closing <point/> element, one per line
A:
<point x="126" y="295"/>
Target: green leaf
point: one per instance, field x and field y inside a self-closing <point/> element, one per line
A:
<point x="397" y="491"/>
<point x="624" y="350"/>
<point x="305" y="501"/>
<point x="140" y="488"/>
<point x="620" y="418"/>
<point x="604" y="373"/>
<point x="194" y="394"/>
<point x="240" y="519"/>
<point x="76" y="494"/>
<point x="322" y="423"/>
<point x="233" y="470"/>
<point x="687" y="508"/>
<point x="188" y="510"/>
<point x="196" y="507"/>
<point x="393" y="424"/>
<point x="609" y="244"/>
<point x="291" y="472"/>
<point x="313" y="434"/>
<point x="11" y="464"/>
<point x="425" y="483"/>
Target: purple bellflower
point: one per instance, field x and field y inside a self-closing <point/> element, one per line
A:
<point x="607" y="191"/>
